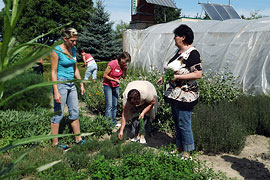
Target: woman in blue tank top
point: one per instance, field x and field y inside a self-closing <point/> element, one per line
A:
<point x="64" y="68"/>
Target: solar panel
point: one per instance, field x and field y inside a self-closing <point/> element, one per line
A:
<point x="167" y="3"/>
<point x="220" y="11"/>
<point x="232" y="12"/>
<point x="211" y="11"/>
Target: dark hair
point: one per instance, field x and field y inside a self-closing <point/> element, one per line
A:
<point x="124" y="55"/>
<point x="81" y="51"/>
<point x="184" y="30"/>
<point x="134" y="95"/>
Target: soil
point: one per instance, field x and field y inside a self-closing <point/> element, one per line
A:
<point x="253" y="163"/>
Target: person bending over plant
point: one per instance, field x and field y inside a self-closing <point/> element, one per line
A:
<point x="139" y="97"/>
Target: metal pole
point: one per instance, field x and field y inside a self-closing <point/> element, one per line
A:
<point x="229" y="2"/>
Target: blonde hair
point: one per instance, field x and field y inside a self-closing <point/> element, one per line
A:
<point x="69" y="33"/>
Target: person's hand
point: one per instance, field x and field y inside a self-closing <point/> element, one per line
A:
<point x="160" y="81"/>
<point x="117" y="81"/>
<point x="141" y="116"/>
<point x="125" y="66"/>
<point x="120" y="135"/>
<point x="176" y="77"/>
<point x="57" y="97"/>
<point x="82" y="89"/>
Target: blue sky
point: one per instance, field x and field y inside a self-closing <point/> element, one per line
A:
<point x="121" y="9"/>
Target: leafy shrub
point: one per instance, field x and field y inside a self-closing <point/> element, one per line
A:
<point x="218" y="128"/>
<point x="99" y="126"/>
<point x="148" y="165"/>
<point x="63" y="174"/>
<point x="94" y="98"/>
<point x="21" y="124"/>
<point x="102" y="65"/>
<point x="254" y="113"/>
<point x="91" y="145"/>
<point x="216" y="87"/>
<point x="78" y="160"/>
<point x="47" y="71"/>
<point x="38" y="97"/>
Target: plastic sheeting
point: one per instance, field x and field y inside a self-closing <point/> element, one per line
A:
<point x="242" y="45"/>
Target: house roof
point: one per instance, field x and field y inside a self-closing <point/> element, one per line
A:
<point x="167" y="3"/>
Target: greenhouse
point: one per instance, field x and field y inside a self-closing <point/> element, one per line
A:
<point x="243" y="46"/>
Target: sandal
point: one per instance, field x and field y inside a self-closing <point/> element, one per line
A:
<point x="63" y="147"/>
<point x="81" y="142"/>
<point x="186" y="156"/>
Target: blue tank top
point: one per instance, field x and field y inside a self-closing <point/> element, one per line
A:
<point x="65" y="64"/>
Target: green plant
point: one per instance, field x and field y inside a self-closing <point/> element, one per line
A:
<point x="38" y="97"/>
<point x="98" y="126"/>
<point x="148" y="164"/>
<point x="95" y="98"/>
<point x="63" y="174"/>
<point x="12" y="126"/>
<point x="102" y="65"/>
<point x="142" y="129"/>
<point x="78" y="160"/>
<point x="168" y="76"/>
<point x="254" y="113"/>
<point x="218" y="128"/>
<point x="216" y="87"/>
<point x="10" y="49"/>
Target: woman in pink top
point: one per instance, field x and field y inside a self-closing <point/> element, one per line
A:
<point x="112" y="75"/>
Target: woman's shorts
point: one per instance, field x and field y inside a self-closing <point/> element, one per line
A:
<point x="69" y="96"/>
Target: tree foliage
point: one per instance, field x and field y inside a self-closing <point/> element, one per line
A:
<point x="41" y="16"/>
<point x="254" y="15"/>
<point x="166" y="14"/>
<point x="120" y="28"/>
<point x="97" y="37"/>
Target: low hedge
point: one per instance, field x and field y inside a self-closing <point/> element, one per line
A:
<point x="101" y="65"/>
<point x="101" y="68"/>
<point x="38" y="97"/>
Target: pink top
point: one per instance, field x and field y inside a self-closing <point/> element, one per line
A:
<point x="116" y="73"/>
<point x="88" y="57"/>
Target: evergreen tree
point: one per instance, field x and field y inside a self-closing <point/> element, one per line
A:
<point x="166" y="14"/>
<point x="98" y="37"/>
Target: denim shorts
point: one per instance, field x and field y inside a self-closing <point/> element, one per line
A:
<point x="69" y="96"/>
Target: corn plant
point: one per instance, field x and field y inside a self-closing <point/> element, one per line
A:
<point x="10" y="49"/>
